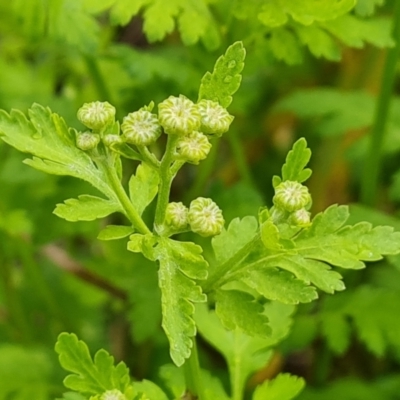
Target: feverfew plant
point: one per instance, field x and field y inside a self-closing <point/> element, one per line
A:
<point x="240" y="299"/>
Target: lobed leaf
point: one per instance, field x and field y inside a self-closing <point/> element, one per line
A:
<point x="113" y="232"/>
<point x="180" y="263"/>
<point x="86" y="208"/>
<point x="225" y="79"/>
<point x="89" y="376"/>
<point x="283" y="387"/>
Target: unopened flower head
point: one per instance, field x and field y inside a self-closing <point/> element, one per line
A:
<point x="176" y="215"/>
<point x="291" y="196"/>
<point x="87" y="141"/>
<point x="96" y="115"/>
<point x="178" y="115"/>
<point x="300" y="218"/>
<point x="112" y="139"/>
<point x="141" y="128"/>
<point x="205" y="217"/>
<point x="215" y="120"/>
<point x="193" y="147"/>
<point x="112" y="395"/>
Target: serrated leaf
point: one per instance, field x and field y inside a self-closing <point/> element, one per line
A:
<point x="345" y="246"/>
<point x="367" y="7"/>
<point x="270" y="235"/>
<point x="239" y="233"/>
<point x="283" y="387"/>
<point x="90" y="376"/>
<point x="296" y="160"/>
<point x="280" y="285"/>
<point x="46" y="137"/>
<point x="124" y="10"/>
<point x="113" y="232"/>
<point x="148" y="390"/>
<point x="86" y="208"/>
<point x="285" y="46"/>
<point x="180" y="263"/>
<point x="225" y="79"/>
<point x="237" y="309"/>
<point x="272" y="15"/>
<point x="143" y="187"/>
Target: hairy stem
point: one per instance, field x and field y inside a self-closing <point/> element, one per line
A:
<point x="372" y="164"/>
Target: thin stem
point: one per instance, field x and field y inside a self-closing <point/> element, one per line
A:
<point x="166" y="177"/>
<point x="373" y="158"/>
<point x="192" y="373"/>
<point x="97" y="78"/>
<point x="228" y="266"/>
<point x="149" y="157"/>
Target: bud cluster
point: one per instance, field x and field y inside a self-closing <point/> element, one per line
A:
<point x="293" y="198"/>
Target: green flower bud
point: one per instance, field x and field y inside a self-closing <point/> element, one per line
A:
<point x="300" y="218"/>
<point x="176" y="216"/>
<point x="178" y="115"/>
<point x="291" y="196"/>
<point x="215" y="120"/>
<point x="112" y="395"/>
<point x="193" y="147"/>
<point x="112" y="139"/>
<point x="205" y="217"/>
<point x="96" y="115"/>
<point x="87" y="141"/>
<point x="141" y="128"/>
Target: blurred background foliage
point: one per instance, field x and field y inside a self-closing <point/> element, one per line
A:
<point x="313" y="69"/>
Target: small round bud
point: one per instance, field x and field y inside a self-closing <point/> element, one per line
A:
<point x="112" y="139"/>
<point x="141" y="128"/>
<point x="96" y="115"/>
<point x="291" y="196"/>
<point x="205" y="217"/>
<point x="300" y="218"/>
<point x="112" y="395"/>
<point x="178" y="115"/>
<point x="193" y="147"/>
<point x="176" y="216"/>
<point x="215" y="120"/>
<point x="87" y="141"/>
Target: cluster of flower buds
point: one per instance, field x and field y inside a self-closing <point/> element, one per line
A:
<point x="292" y="198"/>
<point x="193" y="123"/>
<point x="203" y="217"/>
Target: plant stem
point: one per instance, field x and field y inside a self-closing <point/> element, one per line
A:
<point x="97" y="78"/>
<point x="372" y="164"/>
<point x="149" y="157"/>
<point x="192" y="372"/>
<point x="166" y="177"/>
<point x="123" y="198"/>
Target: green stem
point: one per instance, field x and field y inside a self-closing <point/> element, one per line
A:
<point x="228" y="266"/>
<point x="166" y="177"/>
<point x="97" y="78"/>
<point x="149" y="157"/>
<point x="373" y="158"/>
<point x="123" y="198"/>
<point x="192" y="373"/>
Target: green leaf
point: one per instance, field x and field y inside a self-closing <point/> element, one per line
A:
<point x="237" y="309"/>
<point x="366" y="8"/>
<point x="180" y="263"/>
<point x="46" y="136"/>
<point x="123" y="10"/>
<point x="113" y="232"/>
<point x="280" y="285"/>
<point x="143" y="187"/>
<point x="239" y="233"/>
<point x="86" y="208"/>
<point x="272" y="15"/>
<point x="345" y="246"/>
<point x="148" y="390"/>
<point x="296" y="160"/>
<point x="283" y="387"/>
<point x="72" y="396"/>
<point x="90" y="376"/>
<point x="225" y="79"/>
<point x="270" y="235"/>
<point x="285" y="46"/>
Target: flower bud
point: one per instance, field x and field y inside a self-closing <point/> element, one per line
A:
<point x="112" y="395"/>
<point x="96" y="115"/>
<point x="215" y="120"/>
<point x="112" y="139"/>
<point x="205" y="217"/>
<point x="291" y="196"/>
<point x="176" y="216"/>
<point x="141" y="128"/>
<point x="193" y="147"/>
<point x="178" y="115"/>
<point x="87" y="141"/>
<point x="300" y="218"/>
